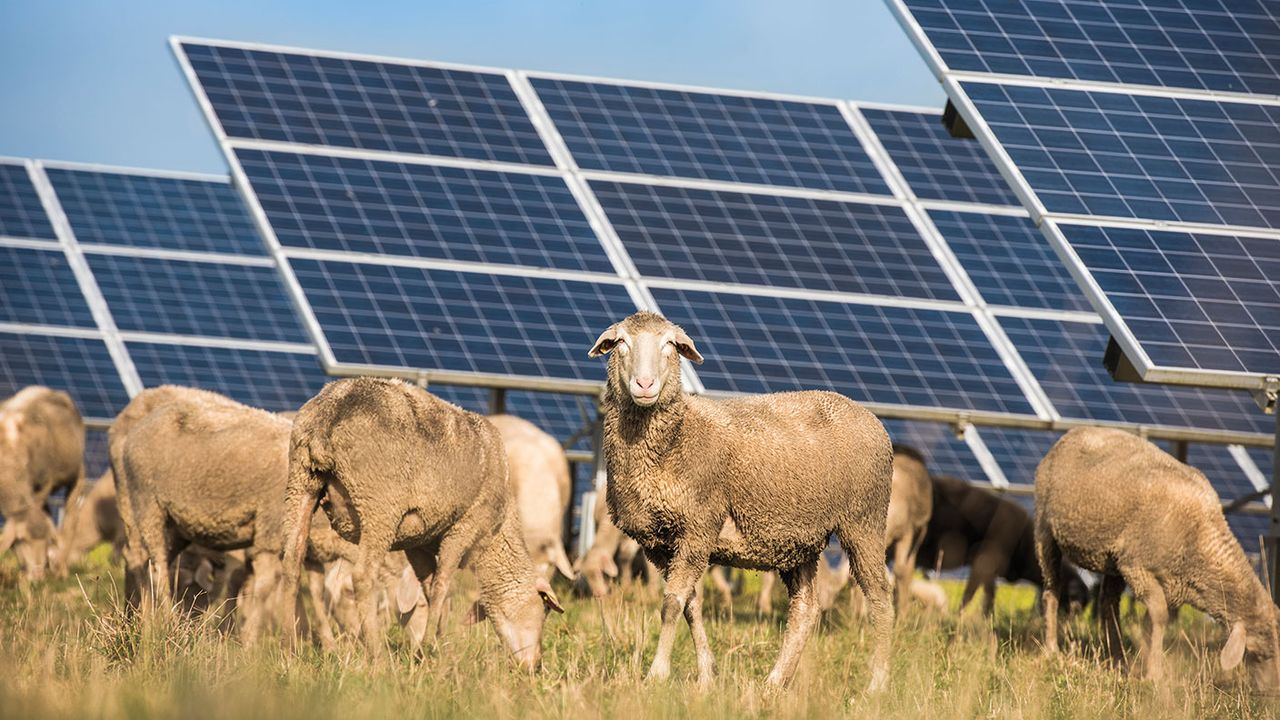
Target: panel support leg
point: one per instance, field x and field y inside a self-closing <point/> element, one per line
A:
<point x="497" y="401"/>
<point x="1273" y="537"/>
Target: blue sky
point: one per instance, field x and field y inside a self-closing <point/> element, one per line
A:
<point x="94" y="81"/>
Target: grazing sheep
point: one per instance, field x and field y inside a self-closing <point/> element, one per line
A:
<point x="395" y="467"/>
<point x="613" y="554"/>
<point x="910" y="505"/>
<point x="41" y="451"/>
<point x="1116" y="504"/>
<point x="540" y="473"/>
<point x="990" y="534"/>
<point x="196" y="467"/>
<point x="95" y="519"/>
<point x="755" y="482"/>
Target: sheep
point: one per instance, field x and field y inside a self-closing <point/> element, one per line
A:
<point x="1116" y="504"/>
<point x="910" y="505"/>
<point x="755" y="482"/>
<point x="539" y="471"/>
<point x="395" y="467"/>
<point x="93" y="520"/>
<point x="196" y="467"/>
<point x="610" y="545"/>
<point x="41" y="451"/>
<point x="993" y="536"/>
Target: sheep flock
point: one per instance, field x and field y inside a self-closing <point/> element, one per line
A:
<point x="366" y="523"/>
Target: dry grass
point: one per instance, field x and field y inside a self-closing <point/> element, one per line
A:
<point x="66" y="650"/>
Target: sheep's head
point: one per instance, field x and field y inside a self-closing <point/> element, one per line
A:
<point x="1257" y="644"/>
<point x="646" y="363"/>
<point x="519" y="619"/>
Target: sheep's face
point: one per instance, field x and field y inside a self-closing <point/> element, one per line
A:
<point x="1258" y="649"/>
<point x="519" y="622"/>
<point x="646" y="359"/>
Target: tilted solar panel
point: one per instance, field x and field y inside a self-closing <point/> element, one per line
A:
<point x="564" y="417"/>
<point x="944" y="454"/>
<point x="353" y="103"/>
<point x="1222" y="45"/>
<point x="271" y="380"/>
<point x="21" y="214"/>
<point x="1018" y="451"/>
<point x="38" y="286"/>
<point x="423" y="211"/>
<point x="82" y="366"/>
<point x="109" y="207"/>
<point x="708" y="136"/>
<point x="758" y="239"/>
<point x="935" y="165"/>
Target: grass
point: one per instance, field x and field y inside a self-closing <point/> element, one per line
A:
<point x="67" y="650"/>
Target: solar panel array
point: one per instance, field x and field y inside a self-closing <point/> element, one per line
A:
<point x="1144" y="139"/>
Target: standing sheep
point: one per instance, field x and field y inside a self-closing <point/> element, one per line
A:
<point x="540" y="473"/>
<point x="41" y="450"/>
<point x="1116" y="504"/>
<point x="395" y="467"/>
<point x="910" y="505"/>
<point x="755" y="482"/>
<point x="202" y="468"/>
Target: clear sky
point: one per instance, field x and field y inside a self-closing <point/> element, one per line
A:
<point x="94" y="80"/>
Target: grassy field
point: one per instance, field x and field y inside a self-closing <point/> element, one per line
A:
<point x="66" y="650"/>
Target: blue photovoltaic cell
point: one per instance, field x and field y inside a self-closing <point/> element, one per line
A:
<point x="275" y="381"/>
<point x="468" y="322"/>
<point x="1009" y="260"/>
<point x="136" y="210"/>
<point x="755" y="239"/>
<point x="1264" y="459"/>
<point x="391" y="208"/>
<point x="1248" y="528"/>
<point x="196" y="298"/>
<point x="96" y="461"/>
<point x="944" y="454"/>
<point x="1018" y="451"/>
<point x="319" y="100"/>
<point x="559" y="415"/>
<point x="80" y="366"/>
<point x="924" y="358"/>
<point x="1192" y="300"/>
<point x="38" y="286"/>
<point x="1134" y="156"/>
<point x="1222" y="45"/>
<point x="708" y="136"/>
<point x="936" y="165"/>
<point x="1066" y="358"/>
<point x="21" y="212"/>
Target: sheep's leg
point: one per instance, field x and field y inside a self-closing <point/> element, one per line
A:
<point x="701" y="646"/>
<point x="764" y="603"/>
<point x="266" y="574"/>
<point x="155" y="538"/>
<point x="315" y="589"/>
<point x="866" y="556"/>
<point x="424" y="568"/>
<point x="1147" y="589"/>
<point x="375" y="539"/>
<point x="1050" y="557"/>
<point x="683" y="573"/>
<point x="1109" y="591"/>
<point x="802" y="615"/>
<point x="904" y="566"/>
<point x="447" y="560"/>
<point x="721" y="582"/>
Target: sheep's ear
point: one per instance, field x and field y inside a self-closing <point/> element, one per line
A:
<point x="549" y="598"/>
<point x="1233" y="651"/>
<point x="407" y="591"/>
<point x="605" y="342"/>
<point x="684" y="346"/>
<point x="610" y="567"/>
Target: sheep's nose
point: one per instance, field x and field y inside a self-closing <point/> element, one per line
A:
<point x="644" y="383"/>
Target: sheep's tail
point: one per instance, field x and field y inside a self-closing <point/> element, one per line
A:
<point x="302" y="495"/>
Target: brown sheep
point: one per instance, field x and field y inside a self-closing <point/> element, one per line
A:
<point x="395" y="467"/>
<point x="93" y="520"/>
<point x="1116" y="504"/>
<point x="202" y="468"/>
<point x="910" y="506"/>
<point x="41" y="451"/>
<point x="540" y="473"/>
<point x="613" y="554"/>
<point x="754" y="482"/>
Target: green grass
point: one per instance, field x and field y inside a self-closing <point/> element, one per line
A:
<point x="67" y="650"/>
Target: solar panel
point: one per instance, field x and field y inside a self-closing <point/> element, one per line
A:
<point x="1192" y="300"/>
<point x="757" y="239"/>
<point x="1198" y="44"/>
<point x="1139" y="156"/>
<point x="21" y="214"/>
<point x="96" y="461"/>
<point x="38" y="286"/>
<point x="345" y="102"/>
<point x="1018" y="451"/>
<point x="144" y="210"/>
<point x="1053" y="350"/>
<point x="1009" y="261"/>
<point x="880" y="354"/>
<point x="423" y="211"/>
<point x="944" y="453"/>
<point x="275" y="381"/>
<point x="936" y="165"/>
<point x="410" y="317"/>
<point x="81" y="366"/>
<point x="708" y="136"/>
<point x="164" y="295"/>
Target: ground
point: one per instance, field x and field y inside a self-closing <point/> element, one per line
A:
<point x="66" y="650"/>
